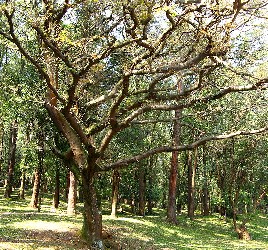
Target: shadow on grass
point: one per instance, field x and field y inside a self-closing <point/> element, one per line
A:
<point x="153" y="232"/>
<point x="36" y="239"/>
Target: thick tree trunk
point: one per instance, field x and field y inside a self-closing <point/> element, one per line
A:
<point x="171" y="208"/>
<point x="191" y="183"/>
<point x="56" y="200"/>
<point x="36" y="188"/>
<point x="12" y="158"/>
<point x="142" y="188"/>
<point x="72" y="195"/>
<point x="115" y="192"/>
<point x="92" y="226"/>
<point x="82" y="156"/>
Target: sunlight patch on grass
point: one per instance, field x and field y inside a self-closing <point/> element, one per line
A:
<point x="131" y="220"/>
<point x="12" y="246"/>
<point x="42" y="225"/>
<point x="21" y="246"/>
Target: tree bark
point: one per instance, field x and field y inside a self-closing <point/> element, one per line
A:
<point x="72" y="194"/>
<point x="11" y="159"/>
<point x="191" y="183"/>
<point x="92" y="225"/>
<point x="56" y="200"/>
<point x="171" y="208"/>
<point x="142" y="187"/>
<point x="115" y="192"/>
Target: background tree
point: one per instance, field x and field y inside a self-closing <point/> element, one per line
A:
<point x="158" y="39"/>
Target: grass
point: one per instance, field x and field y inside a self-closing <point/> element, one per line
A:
<point x="22" y="227"/>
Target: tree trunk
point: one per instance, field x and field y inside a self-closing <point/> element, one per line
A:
<point x="36" y="188"/>
<point x="56" y="200"/>
<point x="115" y="191"/>
<point x="1" y="145"/>
<point x="84" y="158"/>
<point x="205" y="201"/>
<point x="22" y="185"/>
<point x="150" y="191"/>
<point x="12" y="158"/>
<point x="37" y="175"/>
<point x="171" y="208"/>
<point x="142" y="187"/>
<point x="191" y="183"/>
<point x="72" y="194"/>
<point x="92" y="225"/>
<point x="205" y="192"/>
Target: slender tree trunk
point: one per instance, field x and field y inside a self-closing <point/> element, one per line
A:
<point x="171" y="208"/>
<point x="1" y="145"/>
<point x="37" y="175"/>
<point x="56" y="199"/>
<point x="142" y="188"/>
<point x="12" y="158"/>
<point x="115" y="192"/>
<point x="22" y="185"/>
<point x="191" y="183"/>
<point x="150" y="191"/>
<point x="72" y="195"/>
<point x="92" y="226"/>
<point x="205" y="192"/>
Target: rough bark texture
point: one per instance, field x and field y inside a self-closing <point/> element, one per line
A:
<point x="171" y="208"/>
<point x="11" y="159"/>
<point x="72" y="194"/>
<point x="36" y="188"/>
<point x="92" y="226"/>
<point x="115" y="192"/>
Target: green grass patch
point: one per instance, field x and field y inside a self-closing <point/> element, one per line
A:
<point x="22" y="227"/>
<point x="153" y="232"/>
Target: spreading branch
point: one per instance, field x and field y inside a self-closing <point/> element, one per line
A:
<point x="261" y="84"/>
<point x="191" y="146"/>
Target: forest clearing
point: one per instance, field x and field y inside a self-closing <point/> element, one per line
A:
<point x="24" y="228"/>
<point x="133" y="124"/>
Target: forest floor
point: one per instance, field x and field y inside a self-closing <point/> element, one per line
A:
<point x="24" y="228"/>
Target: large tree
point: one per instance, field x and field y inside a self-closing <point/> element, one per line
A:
<point x="107" y="63"/>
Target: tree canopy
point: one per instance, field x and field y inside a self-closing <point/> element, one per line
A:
<point x="111" y="73"/>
